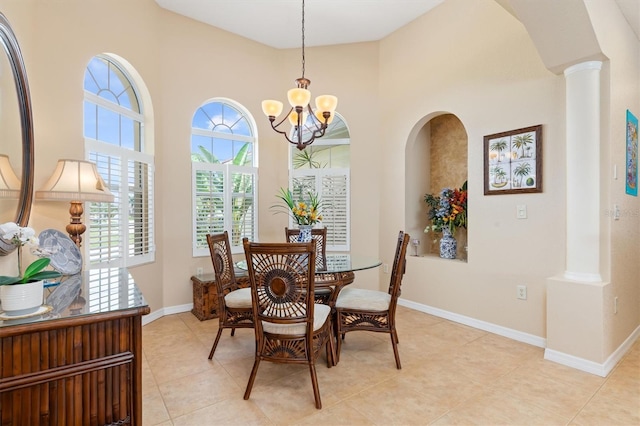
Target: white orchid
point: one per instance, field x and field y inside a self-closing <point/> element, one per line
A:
<point x="21" y="236"/>
<point x="18" y="235"/>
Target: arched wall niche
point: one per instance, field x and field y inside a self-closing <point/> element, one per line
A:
<point x="435" y="158"/>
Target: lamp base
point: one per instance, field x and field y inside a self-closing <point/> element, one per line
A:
<point x="76" y="228"/>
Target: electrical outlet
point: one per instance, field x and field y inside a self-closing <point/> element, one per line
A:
<point x="199" y="271"/>
<point x="385" y="268"/>
<point x="522" y="292"/>
<point x="615" y="305"/>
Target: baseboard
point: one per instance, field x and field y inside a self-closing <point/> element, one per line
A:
<point x="170" y="310"/>
<point x="475" y="323"/>
<point x="592" y="367"/>
<point x="549" y="354"/>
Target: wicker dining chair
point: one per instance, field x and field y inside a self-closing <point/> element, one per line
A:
<point x="372" y="310"/>
<point x="289" y="327"/>
<point x="319" y="235"/>
<point x="234" y="296"/>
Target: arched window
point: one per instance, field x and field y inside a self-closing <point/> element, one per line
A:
<point x="324" y="167"/>
<point x="224" y="174"/>
<point x="120" y="233"/>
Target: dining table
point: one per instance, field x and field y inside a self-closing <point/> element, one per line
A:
<point x="338" y="271"/>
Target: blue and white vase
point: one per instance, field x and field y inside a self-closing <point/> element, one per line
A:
<point x="448" y="245"/>
<point x="305" y="233"/>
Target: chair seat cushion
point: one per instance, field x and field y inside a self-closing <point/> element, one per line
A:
<point x="320" y="314"/>
<point x="237" y="299"/>
<point x="366" y="300"/>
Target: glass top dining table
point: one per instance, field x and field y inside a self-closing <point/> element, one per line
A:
<point x="339" y="272"/>
<point x="338" y="263"/>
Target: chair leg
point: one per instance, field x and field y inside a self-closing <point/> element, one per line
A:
<point x="394" y="340"/>
<point x="338" y="347"/>
<point x="314" y="383"/>
<point x="215" y="343"/>
<point x="331" y="352"/>
<point x="252" y="378"/>
<point x="233" y="332"/>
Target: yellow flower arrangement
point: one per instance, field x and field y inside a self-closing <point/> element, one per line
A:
<point x="303" y="212"/>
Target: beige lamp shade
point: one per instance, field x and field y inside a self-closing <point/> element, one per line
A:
<point x="298" y="97"/>
<point x="9" y="182"/>
<point x="271" y="108"/>
<point x="75" y="180"/>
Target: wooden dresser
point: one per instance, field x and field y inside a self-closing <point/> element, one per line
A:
<point x="79" y="363"/>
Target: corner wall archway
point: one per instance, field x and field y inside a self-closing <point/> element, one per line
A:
<point x="435" y="158"/>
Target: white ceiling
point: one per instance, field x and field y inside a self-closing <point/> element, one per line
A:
<point x="277" y="23"/>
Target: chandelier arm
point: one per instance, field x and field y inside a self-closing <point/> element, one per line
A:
<point x="316" y="121"/>
<point x="286" y="116"/>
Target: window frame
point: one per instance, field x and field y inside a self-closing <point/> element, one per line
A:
<point x="227" y="170"/>
<point x="125" y="156"/>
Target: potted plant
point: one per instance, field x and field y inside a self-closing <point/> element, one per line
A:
<point x="23" y="294"/>
<point x="305" y="212"/>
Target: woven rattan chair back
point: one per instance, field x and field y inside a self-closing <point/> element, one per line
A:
<point x="319" y="235"/>
<point x="398" y="270"/>
<point x="225" y="282"/>
<point x="368" y="310"/>
<point x="282" y="284"/>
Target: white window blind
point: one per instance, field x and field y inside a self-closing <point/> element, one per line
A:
<point x="224" y="198"/>
<point x="332" y="185"/>
<point x="121" y="233"/>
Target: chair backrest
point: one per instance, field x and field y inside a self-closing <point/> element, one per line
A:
<point x="399" y="266"/>
<point x="220" y="251"/>
<point x="319" y="235"/>
<point x="282" y="282"/>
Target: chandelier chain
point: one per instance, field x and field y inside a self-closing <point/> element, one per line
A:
<point x="303" y="59"/>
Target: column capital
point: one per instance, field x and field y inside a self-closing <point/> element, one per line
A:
<point x="583" y="66"/>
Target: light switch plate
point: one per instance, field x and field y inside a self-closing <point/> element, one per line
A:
<point x="521" y="211"/>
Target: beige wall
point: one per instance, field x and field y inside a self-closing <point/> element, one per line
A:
<point x="495" y="81"/>
<point x="621" y="248"/>
<point x="470" y="59"/>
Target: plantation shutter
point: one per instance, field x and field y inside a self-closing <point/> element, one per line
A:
<point x="332" y="185"/>
<point x="243" y="207"/>
<point x="121" y="233"/>
<point x="218" y="186"/>
<point x="335" y="195"/>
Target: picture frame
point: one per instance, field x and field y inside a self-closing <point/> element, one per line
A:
<point x="513" y="161"/>
<point x="631" y="161"/>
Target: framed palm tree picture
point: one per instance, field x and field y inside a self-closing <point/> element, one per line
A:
<point x="513" y="161"/>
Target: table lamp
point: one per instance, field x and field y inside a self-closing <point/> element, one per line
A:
<point x="75" y="181"/>
<point x="9" y="182"/>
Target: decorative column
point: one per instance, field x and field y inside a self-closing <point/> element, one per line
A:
<point x="576" y="308"/>
<point x="583" y="171"/>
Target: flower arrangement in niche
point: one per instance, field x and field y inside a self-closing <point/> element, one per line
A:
<point x="304" y="211"/>
<point x="21" y="236"/>
<point x="449" y="210"/>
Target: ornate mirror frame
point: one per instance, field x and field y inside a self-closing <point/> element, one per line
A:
<point x="12" y="49"/>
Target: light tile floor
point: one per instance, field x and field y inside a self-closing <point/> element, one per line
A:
<point x="451" y="374"/>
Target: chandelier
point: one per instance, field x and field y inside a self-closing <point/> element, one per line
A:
<point x="301" y="116"/>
